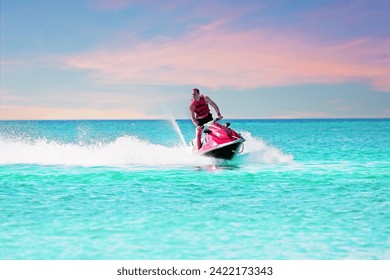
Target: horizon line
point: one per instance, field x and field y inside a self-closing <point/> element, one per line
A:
<point x="188" y="119"/>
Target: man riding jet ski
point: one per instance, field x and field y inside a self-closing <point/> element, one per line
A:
<point x="219" y="141"/>
<point x="200" y="113"/>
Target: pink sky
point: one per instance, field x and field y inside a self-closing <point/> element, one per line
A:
<point x="136" y="58"/>
<point x="216" y="57"/>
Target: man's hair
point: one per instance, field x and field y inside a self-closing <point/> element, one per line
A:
<point x="195" y="89"/>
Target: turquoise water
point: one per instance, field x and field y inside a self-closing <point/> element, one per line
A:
<point x="302" y="189"/>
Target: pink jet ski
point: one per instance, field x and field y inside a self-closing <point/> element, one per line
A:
<point x="220" y="141"/>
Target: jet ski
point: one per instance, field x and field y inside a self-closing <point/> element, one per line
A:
<point x="219" y="141"/>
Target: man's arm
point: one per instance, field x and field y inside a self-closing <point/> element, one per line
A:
<point x="214" y="105"/>
<point x="192" y="114"/>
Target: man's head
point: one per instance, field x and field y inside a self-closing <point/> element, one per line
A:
<point x="195" y="92"/>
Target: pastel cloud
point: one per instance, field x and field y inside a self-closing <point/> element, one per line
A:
<point x="214" y="56"/>
<point x="84" y="105"/>
<point x="27" y="112"/>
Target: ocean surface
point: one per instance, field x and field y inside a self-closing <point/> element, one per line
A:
<point x="131" y="189"/>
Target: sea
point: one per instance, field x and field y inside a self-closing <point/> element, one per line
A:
<point x="312" y="189"/>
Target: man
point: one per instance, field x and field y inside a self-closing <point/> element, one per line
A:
<point x="200" y="113"/>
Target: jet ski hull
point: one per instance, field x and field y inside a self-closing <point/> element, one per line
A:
<point x="225" y="151"/>
<point x="220" y="141"/>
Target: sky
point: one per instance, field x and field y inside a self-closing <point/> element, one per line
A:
<point x="133" y="59"/>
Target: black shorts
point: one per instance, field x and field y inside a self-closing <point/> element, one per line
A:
<point x="207" y="119"/>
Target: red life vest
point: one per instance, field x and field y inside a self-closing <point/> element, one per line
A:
<point x="201" y="108"/>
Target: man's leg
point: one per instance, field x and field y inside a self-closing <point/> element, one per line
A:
<point x="198" y="132"/>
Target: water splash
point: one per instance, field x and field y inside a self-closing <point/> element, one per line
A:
<point x="258" y="151"/>
<point x="125" y="150"/>
<point x="128" y="151"/>
<point x="177" y="129"/>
